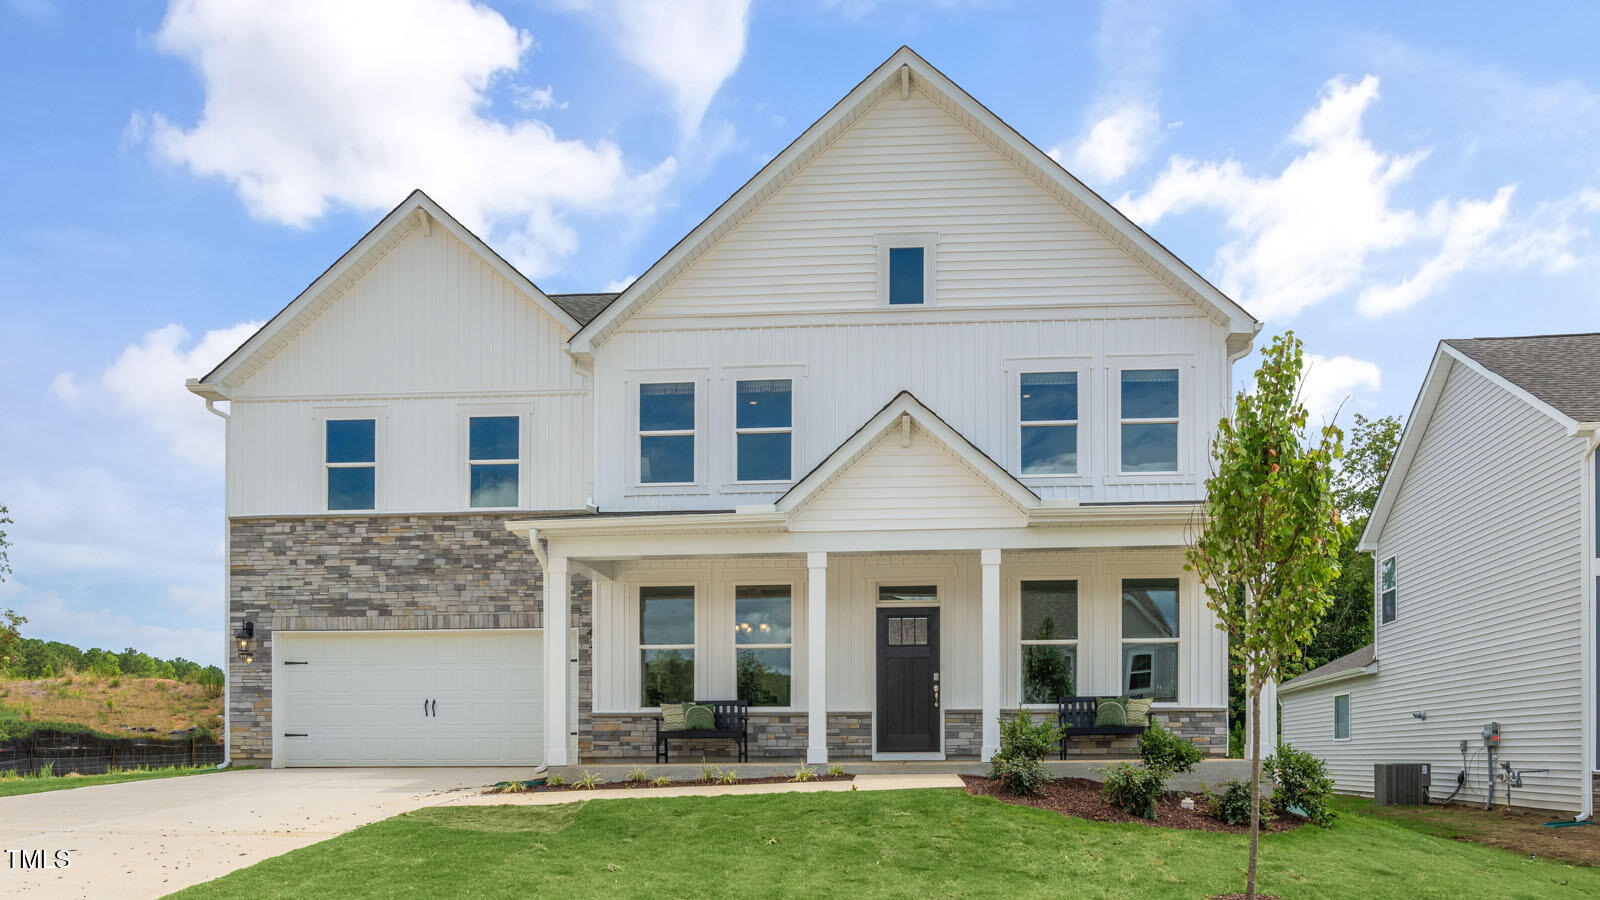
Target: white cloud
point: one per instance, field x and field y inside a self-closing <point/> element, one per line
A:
<point x="311" y="105"/>
<point x="532" y="99"/>
<point x="689" y="46"/>
<point x="1116" y="143"/>
<point x="50" y="618"/>
<point x="1468" y="227"/>
<point x="620" y="284"/>
<point x="1329" y="381"/>
<point x="145" y="384"/>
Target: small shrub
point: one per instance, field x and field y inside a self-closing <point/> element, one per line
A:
<point x="727" y="776"/>
<point x="589" y="781"/>
<point x="1022" y="736"/>
<point x="1301" y="780"/>
<point x="638" y="775"/>
<point x="1168" y="751"/>
<point x="1134" y="789"/>
<point x="708" y="772"/>
<point x="1020" y="775"/>
<point x="803" y="774"/>
<point x="661" y="781"/>
<point x="555" y="781"/>
<point x="1233" y="804"/>
<point x="836" y="771"/>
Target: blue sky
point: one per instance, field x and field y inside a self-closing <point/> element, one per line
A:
<point x="1376" y="176"/>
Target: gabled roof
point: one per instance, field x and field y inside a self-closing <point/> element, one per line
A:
<point x="416" y="211"/>
<point x="904" y="71"/>
<point x="1516" y="366"/>
<point x="908" y="407"/>
<point x="583" y="307"/>
<point x="1361" y="662"/>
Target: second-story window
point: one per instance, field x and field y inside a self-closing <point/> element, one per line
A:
<point x="493" y="460"/>
<point x="763" y="429"/>
<point x="351" y="455"/>
<point x="1049" y="412"/>
<point x="905" y="275"/>
<point x="1387" y="589"/>
<point x="1149" y="420"/>
<point x="666" y="433"/>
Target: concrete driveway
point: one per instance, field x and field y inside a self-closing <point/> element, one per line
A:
<point x="150" y="838"/>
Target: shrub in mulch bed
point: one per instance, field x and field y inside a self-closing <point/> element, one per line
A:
<point x="1080" y="797"/>
<point x="647" y="786"/>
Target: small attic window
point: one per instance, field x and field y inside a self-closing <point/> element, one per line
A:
<point x="905" y="267"/>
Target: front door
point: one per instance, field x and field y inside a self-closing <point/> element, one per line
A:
<point x="908" y="713"/>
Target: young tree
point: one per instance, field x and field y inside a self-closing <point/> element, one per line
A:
<point x="11" y="621"/>
<point x="1269" y="549"/>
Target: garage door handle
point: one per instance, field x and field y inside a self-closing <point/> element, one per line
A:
<point x="424" y="708"/>
<point x="295" y="734"/>
<point x="435" y="708"/>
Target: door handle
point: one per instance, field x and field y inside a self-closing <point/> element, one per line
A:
<point x="436" y="709"/>
<point x="936" y="695"/>
<point x="424" y="707"/>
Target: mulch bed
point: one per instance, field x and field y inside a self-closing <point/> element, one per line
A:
<point x="688" y="782"/>
<point x="1080" y="797"/>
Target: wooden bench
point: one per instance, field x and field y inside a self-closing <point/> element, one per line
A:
<point x="1076" y="716"/>
<point x="731" y="721"/>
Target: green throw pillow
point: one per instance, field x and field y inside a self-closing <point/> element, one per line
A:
<point x="700" y="718"/>
<point x="1110" y="712"/>
<point x="673" y="716"/>
<point x="1138" y="712"/>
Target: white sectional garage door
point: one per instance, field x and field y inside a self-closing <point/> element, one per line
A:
<point x="423" y="698"/>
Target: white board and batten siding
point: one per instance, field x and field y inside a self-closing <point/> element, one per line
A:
<point x="1486" y="534"/>
<point x="853" y="583"/>
<point x="430" y="334"/>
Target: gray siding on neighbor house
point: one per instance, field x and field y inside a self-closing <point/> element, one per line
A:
<point x="1487" y="531"/>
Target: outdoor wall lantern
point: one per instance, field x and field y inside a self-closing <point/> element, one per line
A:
<point x="244" y="635"/>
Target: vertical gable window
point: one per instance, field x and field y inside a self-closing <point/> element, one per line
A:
<point x="1386" y="584"/>
<point x="666" y="433"/>
<point x="905" y="275"/>
<point x="1150" y="420"/>
<point x="666" y="644"/>
<point x="351" y="455"/>
<point x="1049" y="412"/>
<point x="1341" y="717"/>
<point x="1150" y="638"/>
<point x="762" y="634"/>
<point x="764" y="429"/>
<point x="1049" y="640"/>
<point x="493" y="459"/>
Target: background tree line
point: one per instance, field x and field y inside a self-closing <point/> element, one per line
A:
<point x="35" y="658"/>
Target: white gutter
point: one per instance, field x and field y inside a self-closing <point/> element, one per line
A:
<point x="1591" y="593"/>
<point x="211" y="397"/>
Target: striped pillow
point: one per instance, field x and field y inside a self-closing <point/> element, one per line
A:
<point x="1138" y="712"/>
<point x="700" y="718"/>
<point x="1110" y="712"/>
<point x="674" y="716"/>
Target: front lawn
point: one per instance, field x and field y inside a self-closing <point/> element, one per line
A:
<point x="33" y="784"/>
<point x="927" y="843"/>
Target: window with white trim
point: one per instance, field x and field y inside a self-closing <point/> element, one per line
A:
<point x="350" y="454"/>
<point x="666" y="644"/>
<point x="763" y="429"/>
<point x="1150" y="638"/>
<point x="494" y="461"/>
<point x="764" y="640"/>
<point x="1048" y="409"/>
<point x="666" y="432"/>
<point x="1049" y="640"/>
<point x="905" y="269"/>
<point x="1341" y="717"/>
<point x="1149" y="420"/>
<point x="1386" y="589"/>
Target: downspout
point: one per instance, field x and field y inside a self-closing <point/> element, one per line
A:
<point x="227" y="595"/>
<point x="1590" y="535"/>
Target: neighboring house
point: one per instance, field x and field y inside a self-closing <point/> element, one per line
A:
<point x="909" y="433"/>
<point x="1486" y="545"/>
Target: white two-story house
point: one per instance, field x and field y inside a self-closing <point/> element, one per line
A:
<point x="909" y="433"/>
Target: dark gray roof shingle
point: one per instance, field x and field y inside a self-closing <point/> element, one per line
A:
<point x="1563" y="370"/>
<point x="1345" y="663"/>
<point x="583" y="307"/>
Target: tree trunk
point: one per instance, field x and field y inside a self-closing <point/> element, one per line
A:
<point x="1254" y="742"/>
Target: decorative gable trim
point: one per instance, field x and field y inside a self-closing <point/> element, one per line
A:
<point x="417" y="211"/>
<point x="902" y="72"/>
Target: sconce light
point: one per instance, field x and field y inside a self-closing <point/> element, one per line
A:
<point x="244" y="635"/>
<point x="1420" y="714"/>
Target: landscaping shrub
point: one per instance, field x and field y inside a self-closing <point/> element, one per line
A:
<point x="1023" y="743"/>
<point x="1233" y="804"/>
<point x="1134" y="789"/>
<point x="1168" y="751"/>
<point x="1301" y="780"/>
<point x="1020" y="775"/>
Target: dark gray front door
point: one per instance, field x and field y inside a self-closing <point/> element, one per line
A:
<point x="908" y="679"/>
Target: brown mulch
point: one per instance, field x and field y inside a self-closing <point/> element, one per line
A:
<point x="687" y="782"/>
<point x="1080" y="797"/>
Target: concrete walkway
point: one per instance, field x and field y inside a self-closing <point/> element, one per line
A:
<point x="150" y="838"/>
<point x="860" y="783"/>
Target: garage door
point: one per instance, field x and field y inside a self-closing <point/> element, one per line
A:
<point x="426" y="698"/>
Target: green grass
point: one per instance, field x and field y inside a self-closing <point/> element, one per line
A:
<point x="34" y="784"/>
<point x="931" y="843"/>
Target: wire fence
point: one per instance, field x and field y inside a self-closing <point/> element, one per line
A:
<point x="83" y="754"/>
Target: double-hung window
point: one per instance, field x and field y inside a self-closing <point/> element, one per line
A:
<point x="1048" y="404"/>
<point x="1150" y="638"/>
<point x="765" y="643"/>
<point x="666" y="433"/>
<point x="493" y="460"/>
<point x="1341" y="717"/>
<point x="1049" y="640"/>
<point x="763" y="429"/>
<point x="350" y="452"/>
<point x="1386" y="586"/>
<point x="1149" y="437"/>
<point x="666" y="644"/>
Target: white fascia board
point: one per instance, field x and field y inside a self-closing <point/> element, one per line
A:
<point x="1301" y="684"/>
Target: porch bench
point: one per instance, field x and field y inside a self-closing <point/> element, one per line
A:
<point x="731" y="719"/>
<point x="1076" y="716"/>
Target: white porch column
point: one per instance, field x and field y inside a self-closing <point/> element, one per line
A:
<point x="557" y="616"/>
<point x="1269" y="722"/>
<point x="990" y="676"/>
<point x="816" y="657"/>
